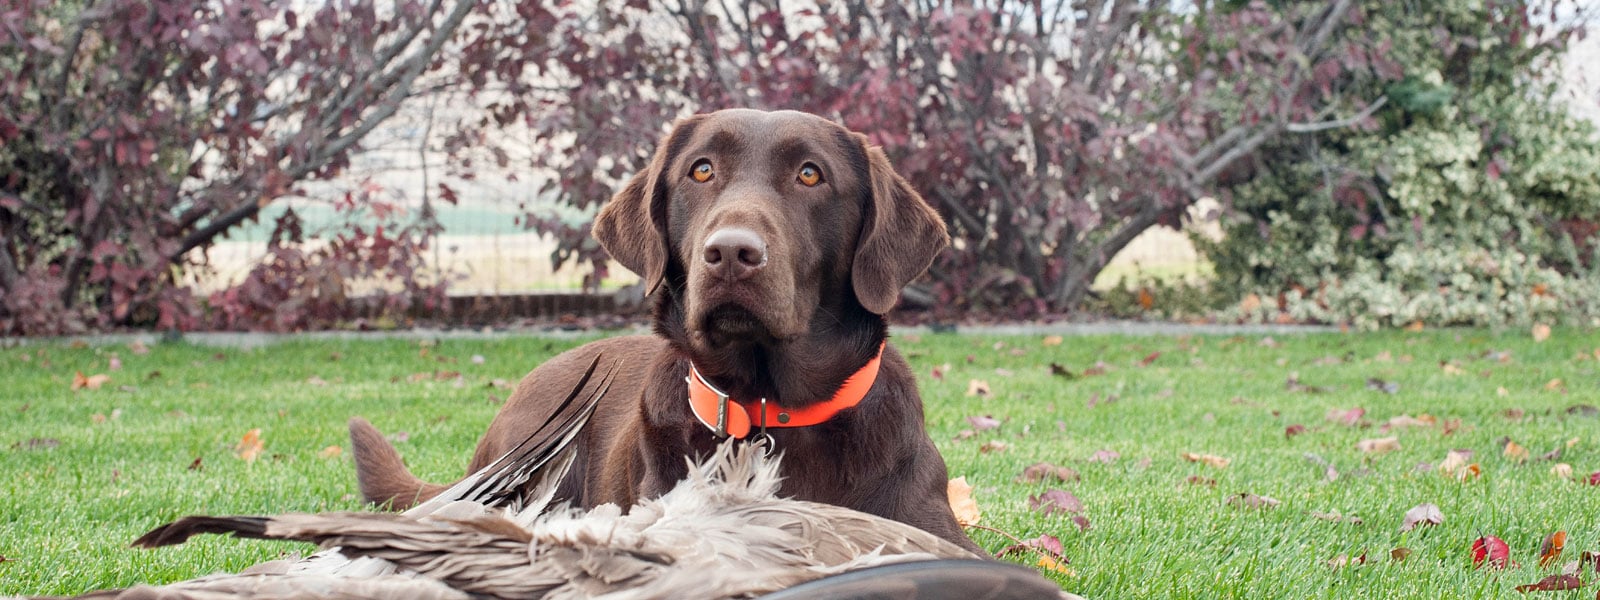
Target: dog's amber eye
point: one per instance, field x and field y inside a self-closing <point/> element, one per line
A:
<point x="701" y="171"/>
<point x="810" y="175"/>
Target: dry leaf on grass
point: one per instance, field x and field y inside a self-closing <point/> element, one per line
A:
<point x="983" y="422"/>
<point x="92" y="382"/>
<point x="1252" y="501"/>
<point x="1039" y="472"/>
<point x="1347" y="417"/>
<point x="1209" y="459"/>
<point x="249" y="447"/>
<point x="1553" y="583"/>
<point x="1052" y="340"/>
<point x="1456" y="465"/>
<point x="1105" y="456"/>
<point x="1561" y="470"/>
<point x="1541" y="332"/>
<point x="1422" y="514"/>
<point x="962" y="503"/>
<point x="1055" y="501"/>
<point x="1046" y="543"/>
<point x="1550" y="550"/>
<point x="1335" y="517"/>
<point x="1379" y="445"/>
<point x="993" y="446"/>
<point x="1492" y="551"/>
<point x="1515" y="451"/>
<point x="330" y="452"/>
<point x="977" y="387"/>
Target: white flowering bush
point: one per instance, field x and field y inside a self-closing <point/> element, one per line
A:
<point x="1438" y="223"/>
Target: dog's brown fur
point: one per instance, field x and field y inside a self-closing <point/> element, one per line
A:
<point x="791" y="330"/>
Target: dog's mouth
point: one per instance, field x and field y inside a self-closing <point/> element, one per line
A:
<point x="731" y="323"/>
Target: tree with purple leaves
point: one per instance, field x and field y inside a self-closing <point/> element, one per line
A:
<point x="1049" y="135"/>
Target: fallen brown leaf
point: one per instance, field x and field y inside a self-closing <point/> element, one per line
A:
<point x="977" y="387"/>
<point x="1345" y="560"/>
<point x="1335" y="517"/>
<point x="1197" y="480"/>
<point x="1561" y="470"/>
<point x="1379" y="445"/>
<point x="1422" y="514"/>
<point x="962" y="503"/>
<point x="1150" y="358"/>
<point x="1252" y="501"/>
<point x="1293" y="430"/>
<point x="1541" y="332"/>
<point x="1043" y="471"/>
<point x="92" y="382"/>
<point x="1553" y="583"/>
<point x="983" y="422"/>
<point x="1515" y="451"/>
<point x="993" y="446"/>
<point x="1105" y="456"/>
<point x="330" y="452"/>
<point x="1051" y="340"/>
<point x="1347" y="417"/>
<point x="1047" y="544"/>
<point x="249" y="447"/>
<point x="1550" y="549"/>
<point x="1055" y="501"/>
<point x="1208" y="459"/>
<point x="1400" y="554"/>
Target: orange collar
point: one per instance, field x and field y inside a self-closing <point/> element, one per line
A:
<point x="728" y="417"/>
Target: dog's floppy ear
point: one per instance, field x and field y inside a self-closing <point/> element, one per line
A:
<point x="900" y="235"/>
<point x="632" y="226"/>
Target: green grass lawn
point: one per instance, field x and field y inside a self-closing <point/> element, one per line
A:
<point x="84" y="472"/>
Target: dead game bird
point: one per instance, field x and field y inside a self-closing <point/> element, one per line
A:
<point x="720" y="533"/>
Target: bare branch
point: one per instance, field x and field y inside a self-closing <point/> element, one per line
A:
<point x="1339" y="123"/>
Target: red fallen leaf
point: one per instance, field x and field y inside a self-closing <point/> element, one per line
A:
<point x="1553" y="583"/>
<point x="1348" y="418"/>
<point x="1046" y="543"/>
<point x="196" y="466"/>
<point x="982" y="422"/>
<point x="1150" y="358"/>
<point x="1082" y="522"/>
<point x="938" y="371"/>
<point x="1594" y="479"/>
<point x="1038" y="472"/>
<point x="1550" y="550"/>
<point x="1422" y="514"/>
<point x="1293" y="430"/>
<point x="1055" y="501"/>
<point x="1493" y="550"/>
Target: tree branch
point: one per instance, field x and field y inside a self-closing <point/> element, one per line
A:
<point x="319" y="157"/>
<point x="1339" y="123"/>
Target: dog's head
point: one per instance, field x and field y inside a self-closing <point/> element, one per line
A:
<point x="760" y="221"/>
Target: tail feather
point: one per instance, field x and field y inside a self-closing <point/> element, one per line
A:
<point x="179" y="531"/>
<point x="383" y="477"/>
<point x="523" y="476"/>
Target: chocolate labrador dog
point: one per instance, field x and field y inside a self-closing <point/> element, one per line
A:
<point x="773" y="243"/>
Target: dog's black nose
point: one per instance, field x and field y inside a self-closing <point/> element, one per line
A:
<point x="735" y="253"/>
